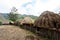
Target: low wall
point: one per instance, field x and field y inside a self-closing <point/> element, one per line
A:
<point x="49" y="33"/>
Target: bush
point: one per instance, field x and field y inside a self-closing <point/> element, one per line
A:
<point x="0" y="23"/>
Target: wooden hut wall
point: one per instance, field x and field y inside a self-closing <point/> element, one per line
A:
<point x="42" y="32"/>
<point x="29" y="27"/>
<point x="47" y="33"/>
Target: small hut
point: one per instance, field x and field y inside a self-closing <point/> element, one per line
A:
<point x="27" y="23"/>
<point x="47" y="25"/>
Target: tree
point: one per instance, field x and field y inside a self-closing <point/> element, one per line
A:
<point x="13" y="16"/>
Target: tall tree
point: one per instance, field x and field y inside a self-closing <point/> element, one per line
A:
<point x="13" y="16"/>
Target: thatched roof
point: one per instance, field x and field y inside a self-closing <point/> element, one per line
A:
<point x="48" y="19"/>
<point x="27" y="20"/>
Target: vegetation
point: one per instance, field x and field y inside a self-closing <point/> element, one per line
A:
<point x="0" y="22"/>
<point x="22" y="16"/>
<point x="33" y="17"/>
<point x="19" y="16"/>
<point x="12" y="17"/>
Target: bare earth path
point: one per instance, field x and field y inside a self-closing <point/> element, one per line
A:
<point x="10" y="32"/>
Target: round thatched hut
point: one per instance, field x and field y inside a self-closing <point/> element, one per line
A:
<point x="47" y="25"/>
<point x="27" y="23"/>
<point x="48" y="19"/>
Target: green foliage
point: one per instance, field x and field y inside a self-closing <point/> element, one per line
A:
<point x="12" y="16"/>
<point x="32" y="16"/>
<point x="0" y="22"/>
<point x="20" y="16"/>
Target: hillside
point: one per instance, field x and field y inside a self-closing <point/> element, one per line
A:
<point x="3" y="18"/>
<point x="24" y="15"/>
<point x="4" y="15"/>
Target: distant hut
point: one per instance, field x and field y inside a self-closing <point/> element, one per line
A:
<point x="27" y="23"/>
<point x="47" y="25"/>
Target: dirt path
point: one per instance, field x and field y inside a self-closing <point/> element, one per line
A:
<point x="10" y="32"/>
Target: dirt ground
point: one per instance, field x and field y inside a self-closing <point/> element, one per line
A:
<point x="10" y="32"/>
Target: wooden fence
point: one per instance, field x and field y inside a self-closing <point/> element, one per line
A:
<point x="51" y="33"/>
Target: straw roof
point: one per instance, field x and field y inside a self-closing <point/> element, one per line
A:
<point x="27" y="20"/>
<point x="48" y="19"/>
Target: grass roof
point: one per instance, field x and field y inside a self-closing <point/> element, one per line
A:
<point x="48" y="19"/>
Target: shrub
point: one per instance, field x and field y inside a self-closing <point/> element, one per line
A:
<point x="0" y="23"/>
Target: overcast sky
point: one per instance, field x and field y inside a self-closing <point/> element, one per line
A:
<point x="32" y="7"/>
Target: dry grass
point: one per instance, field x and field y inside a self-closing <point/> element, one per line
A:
<point x="12" y="33"/>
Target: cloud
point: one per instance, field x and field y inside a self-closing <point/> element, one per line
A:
<point x="44" y="1"/>
<point x="25" y="4"/>
<point x="40" y="6"/>
<point x="57" y="9"/>
<point x="32" y="7"/>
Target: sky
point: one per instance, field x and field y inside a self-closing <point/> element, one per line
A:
<point x="30" y="7"/>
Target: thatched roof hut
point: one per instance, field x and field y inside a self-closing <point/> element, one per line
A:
<point x="48" y="20"/>
<point x="27" y="20"/>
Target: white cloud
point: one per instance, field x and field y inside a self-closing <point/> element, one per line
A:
<point x="41" y="6"/>
<point x="32" y="7"/>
